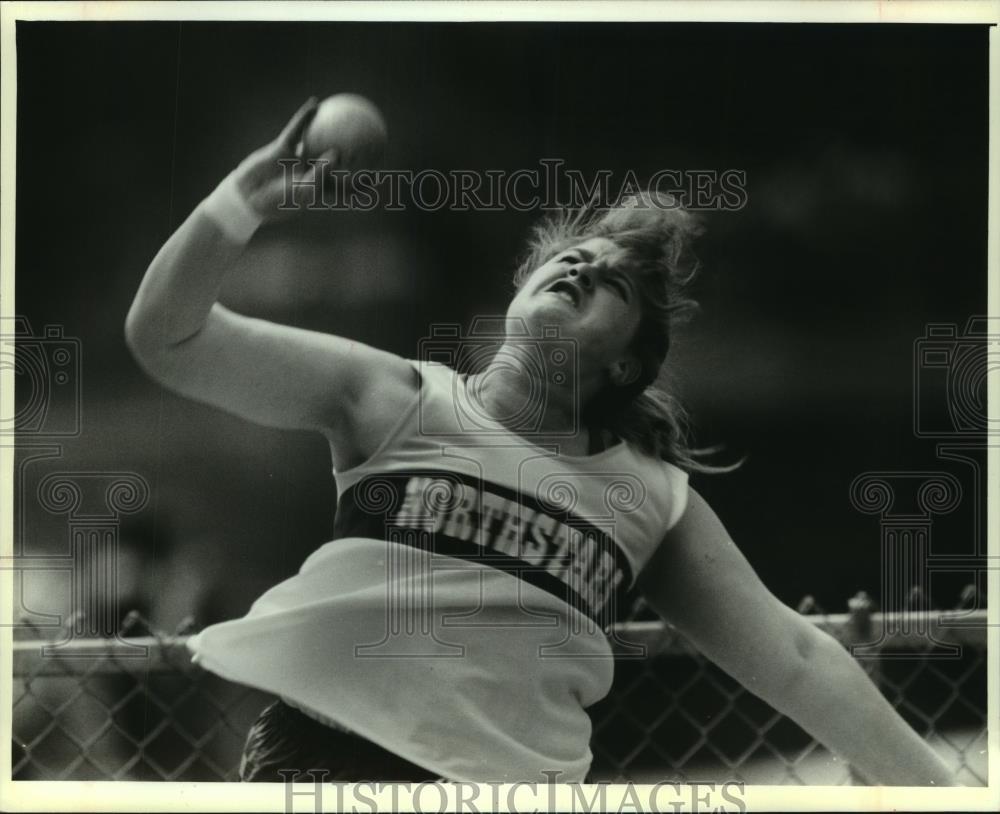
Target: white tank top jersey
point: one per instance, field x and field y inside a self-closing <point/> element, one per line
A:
<point x="458" y="618"/>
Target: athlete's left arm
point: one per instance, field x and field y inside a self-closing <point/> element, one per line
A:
<point x="700" y="582"/>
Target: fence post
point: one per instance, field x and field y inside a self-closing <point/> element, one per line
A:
<point x="93" y="539"/>
<point x="906" y="551"/>
<point x="860" y="608"/>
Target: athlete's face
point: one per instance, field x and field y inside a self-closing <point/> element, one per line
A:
<point x="586" y="292"/>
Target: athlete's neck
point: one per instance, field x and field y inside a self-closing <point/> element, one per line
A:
<point x="532" y="396"/>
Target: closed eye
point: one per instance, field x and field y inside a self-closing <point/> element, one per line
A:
<point x="620" y="287"/>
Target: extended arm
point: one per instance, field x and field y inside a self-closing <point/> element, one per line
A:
<point x="268" y="373"/>
<point x="700" y="582"/>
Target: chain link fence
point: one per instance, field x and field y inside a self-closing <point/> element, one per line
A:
<point x="675" y="715"/>
<point x="137" y="709"/>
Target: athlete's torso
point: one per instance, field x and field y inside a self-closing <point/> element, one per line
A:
<point x="459" y="616"/>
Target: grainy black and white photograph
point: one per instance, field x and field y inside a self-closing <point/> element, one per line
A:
<point x="495" y="407"/>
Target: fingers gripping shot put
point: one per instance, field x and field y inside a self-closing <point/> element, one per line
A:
<point x="456" y="624"/>
<point x="348" y="129"/>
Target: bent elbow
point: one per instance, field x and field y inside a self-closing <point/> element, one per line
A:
<point x="133" y="332"/>
<point x="140" y="339"/>
<point x="785" y="672"/>
<point x="148" y="346"/>
<point x="812" y="650"/>
<point x="806" y="641"/>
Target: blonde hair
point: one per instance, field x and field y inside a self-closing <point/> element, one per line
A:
<point x="658" y="235"/>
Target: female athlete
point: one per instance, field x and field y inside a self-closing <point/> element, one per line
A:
<point x="455" y="627"/>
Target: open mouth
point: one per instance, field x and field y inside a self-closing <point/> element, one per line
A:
<point x="566" y="290"/>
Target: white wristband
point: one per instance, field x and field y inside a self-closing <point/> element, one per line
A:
<point x="230" y="211"/>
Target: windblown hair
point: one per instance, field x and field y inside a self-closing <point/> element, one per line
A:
<point x="658" y="236"/>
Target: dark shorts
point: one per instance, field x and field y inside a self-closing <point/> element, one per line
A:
<point x="284" y="738"/>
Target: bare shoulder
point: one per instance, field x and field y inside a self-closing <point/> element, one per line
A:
<point x="698" y="521"/>
<point x="384" y="386"/>
<point x="698" y="577"/>
<point x="688" y="554"/>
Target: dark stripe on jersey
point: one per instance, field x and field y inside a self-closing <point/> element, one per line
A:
<point x="554" y="550"/>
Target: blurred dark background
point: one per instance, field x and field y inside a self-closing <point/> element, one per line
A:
<point x="865" y="151"/>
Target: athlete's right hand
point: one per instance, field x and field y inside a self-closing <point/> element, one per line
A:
<point x="264" y="182"/>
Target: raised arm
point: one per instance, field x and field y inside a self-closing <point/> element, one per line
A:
<point x="271" y="374"/>
<point x="700" y="582"/>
